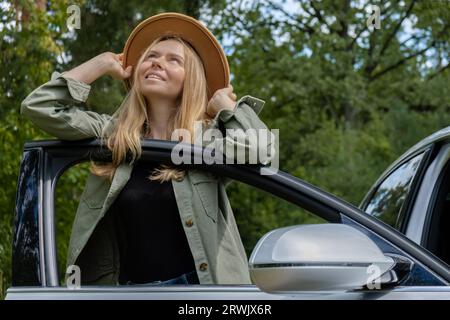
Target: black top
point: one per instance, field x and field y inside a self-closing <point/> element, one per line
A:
<point x="153" y="245"/>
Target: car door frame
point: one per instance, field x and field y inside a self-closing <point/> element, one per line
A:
<point x="56" y="156"/>
<point x="422" y="211"/>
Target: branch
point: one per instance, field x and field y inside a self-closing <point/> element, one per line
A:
<point x="311" y="14"/>
<point x="351" y="44"/>
<point x="343" y="20"/>
<point x="303" y="27"/>
<point x="319" y="16"/>
<point x="438" y="71"/>
<point x="400" y="62"/>
<point x="412" y="37"/>
<point x="282" y="104"/>
<point x="397" y="27"/>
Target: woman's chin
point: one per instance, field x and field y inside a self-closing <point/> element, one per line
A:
<point x="151" y="89"/>
<point x="151" y="84"/>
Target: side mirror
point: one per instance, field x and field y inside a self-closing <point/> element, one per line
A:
<point x="316" y="257"/>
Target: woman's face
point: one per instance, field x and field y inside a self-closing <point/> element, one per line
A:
<point x="161" y="74"/>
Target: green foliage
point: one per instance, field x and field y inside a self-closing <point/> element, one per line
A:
<point x="347" y="100"/>
<point x="257" y="212"/>
<point x="68" y="192"/>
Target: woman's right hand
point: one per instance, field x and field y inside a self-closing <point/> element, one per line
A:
<point x="114" y="65"/>
<point x="105" y="63"/>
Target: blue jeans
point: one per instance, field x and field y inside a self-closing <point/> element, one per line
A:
<point x="186" y="278"/>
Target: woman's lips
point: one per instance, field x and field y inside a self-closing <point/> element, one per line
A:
<point x="154" y="76"/>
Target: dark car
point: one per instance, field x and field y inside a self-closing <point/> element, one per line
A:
<point x="352" y="255"/>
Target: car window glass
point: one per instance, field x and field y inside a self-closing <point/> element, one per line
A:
<point x="387" y="202"/>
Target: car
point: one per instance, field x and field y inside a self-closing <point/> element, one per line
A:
<point x="352" y="255"/>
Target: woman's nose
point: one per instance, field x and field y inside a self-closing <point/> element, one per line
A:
<point x="156" y="62"/>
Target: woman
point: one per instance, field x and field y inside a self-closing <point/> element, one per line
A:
<point x="142" y="224"/>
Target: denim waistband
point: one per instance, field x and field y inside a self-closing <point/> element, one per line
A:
<point x="192" y="277"/>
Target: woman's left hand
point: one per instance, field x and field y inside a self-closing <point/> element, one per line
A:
<point x="222" y="98"/>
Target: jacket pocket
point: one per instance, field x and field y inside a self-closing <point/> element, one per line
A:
<point x="95" y="191"/>
<point x="206" y="185"/>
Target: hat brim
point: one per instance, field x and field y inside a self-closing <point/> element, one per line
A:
<point x="199" y="37"/>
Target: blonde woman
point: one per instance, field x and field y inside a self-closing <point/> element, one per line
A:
<point x="143" y="223"/>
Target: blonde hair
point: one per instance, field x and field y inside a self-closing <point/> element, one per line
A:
<point x="130" y="122"/>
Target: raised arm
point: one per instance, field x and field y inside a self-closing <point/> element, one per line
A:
<point x="55" y="106"/>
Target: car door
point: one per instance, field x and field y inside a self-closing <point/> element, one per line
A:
<point x="418" y="273"/>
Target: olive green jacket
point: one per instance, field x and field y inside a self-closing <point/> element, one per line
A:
<point x="201" y="198"/>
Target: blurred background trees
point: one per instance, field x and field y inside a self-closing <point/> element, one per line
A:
<point x="347" y="98"/>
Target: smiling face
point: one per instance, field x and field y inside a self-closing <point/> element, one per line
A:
<point x="162" y="74"/>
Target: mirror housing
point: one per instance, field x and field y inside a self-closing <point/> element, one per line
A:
<point x="316" y="257"/>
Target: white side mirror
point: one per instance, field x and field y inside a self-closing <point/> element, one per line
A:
<point x="316" y="257"/>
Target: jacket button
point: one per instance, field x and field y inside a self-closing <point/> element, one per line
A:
<point x="203" y="266"/>
<point x="189" y="223"/>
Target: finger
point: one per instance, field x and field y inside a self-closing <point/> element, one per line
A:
<point x="127" y="72"/>
<point x="231" y="94"/>
<point x="229" y="89"/>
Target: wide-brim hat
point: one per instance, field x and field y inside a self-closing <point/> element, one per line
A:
<point x="189" y="29"/>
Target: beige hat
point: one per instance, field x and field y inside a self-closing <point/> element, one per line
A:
<point x="189" y="29"/>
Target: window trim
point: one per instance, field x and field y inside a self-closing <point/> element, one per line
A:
<point x="429" y="216"/>
<point x="407" y="207"/>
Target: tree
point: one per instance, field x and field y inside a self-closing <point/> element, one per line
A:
<point x="35" y="41"/>
<point x="348" y="99"/>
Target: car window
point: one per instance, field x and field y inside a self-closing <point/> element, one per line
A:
<point x="256" y="211"/>
<point x="389" y="198"/>
<point x="67" y="196"/>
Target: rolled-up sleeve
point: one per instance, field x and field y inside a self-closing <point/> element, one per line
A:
<point x="78" y="90"/>
<point x="57" y="106"/>
<point x="244" y="133"/>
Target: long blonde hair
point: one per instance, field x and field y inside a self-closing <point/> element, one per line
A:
<point x="130" y="122"/>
